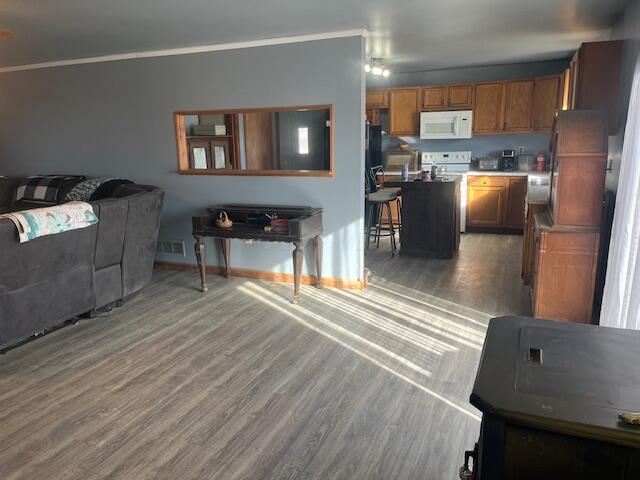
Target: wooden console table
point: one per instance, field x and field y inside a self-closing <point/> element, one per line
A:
<point x="302" y="224"/>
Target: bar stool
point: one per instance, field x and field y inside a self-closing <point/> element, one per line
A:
<point x="377" y="200"/>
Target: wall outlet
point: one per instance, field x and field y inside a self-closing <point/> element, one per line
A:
<point x="520" y="150"/>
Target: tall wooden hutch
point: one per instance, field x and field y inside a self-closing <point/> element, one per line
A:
<point x="567" y="233"/>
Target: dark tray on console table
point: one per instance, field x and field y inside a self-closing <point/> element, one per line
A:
<point x="550" y="393"/>
<point x="303" y="223"/>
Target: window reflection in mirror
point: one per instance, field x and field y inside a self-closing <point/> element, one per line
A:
<point x="276" y="141"/>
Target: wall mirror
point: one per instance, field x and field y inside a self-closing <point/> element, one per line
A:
<point x="287" y="141"/>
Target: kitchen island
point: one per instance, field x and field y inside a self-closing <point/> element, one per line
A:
<point x="430" y="216"/>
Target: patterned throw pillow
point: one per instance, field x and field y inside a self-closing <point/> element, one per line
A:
<point x="94" y="189"/>
<point x="44" y="189"/>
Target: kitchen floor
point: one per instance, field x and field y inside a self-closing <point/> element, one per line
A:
<point x="485" y="275"/>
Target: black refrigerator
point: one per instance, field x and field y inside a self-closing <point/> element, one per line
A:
<point x="373" y="152"/>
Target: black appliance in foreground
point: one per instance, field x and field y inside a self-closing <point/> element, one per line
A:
<point x="552" y="395"/>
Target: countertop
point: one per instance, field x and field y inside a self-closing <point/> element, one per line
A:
<point x="490" y="173"/>
<point x="494" y="173"/>
<point x="396" y="181"/>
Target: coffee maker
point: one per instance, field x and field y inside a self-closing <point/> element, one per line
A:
<point x="508" y="160"/>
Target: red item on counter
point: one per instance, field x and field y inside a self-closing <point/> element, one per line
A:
<point x="540" y="162"/>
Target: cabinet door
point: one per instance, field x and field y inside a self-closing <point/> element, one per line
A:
<point x="487" y="113"/>
<point x="485" y="205"/>
<point x="404" y="109"/>
<point x="377" y="99"/>
<point x="373" y="116"/>
<point x="434" y="98"/>
<point x="518" y="104"/>
<point x="514" y="217"/>
<point x="546" y="93"/>
<point x="460" y="97"/>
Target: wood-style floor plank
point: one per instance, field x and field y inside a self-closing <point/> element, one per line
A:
<point x="238" y="383"/>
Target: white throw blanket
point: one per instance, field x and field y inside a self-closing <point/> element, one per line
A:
<point x="50" y="220"/>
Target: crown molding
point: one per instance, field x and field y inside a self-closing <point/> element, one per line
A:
<point x="356" y="32"/>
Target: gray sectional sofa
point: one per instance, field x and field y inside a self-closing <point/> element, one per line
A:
<point x="51" y="279"/>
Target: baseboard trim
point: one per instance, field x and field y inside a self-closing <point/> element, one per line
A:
<point x="265" y="275"/>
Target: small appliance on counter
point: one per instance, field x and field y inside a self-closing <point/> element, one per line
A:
<point x="489" y="163"/>
<point x="526" y="162"/>
<point x="509" y="162"/>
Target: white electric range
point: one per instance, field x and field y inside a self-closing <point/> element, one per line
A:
<point x="451" y="163"/>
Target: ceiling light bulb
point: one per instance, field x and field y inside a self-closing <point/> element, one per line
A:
<point x="386" y="72"/>
<point x="376" y="70"/>
<point x="367" y="68"/>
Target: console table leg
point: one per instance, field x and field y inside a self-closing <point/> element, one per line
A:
<point x="317" y="245"/>
<point x="201" y="256"/>
<point x="226" y="251"/>
<point x="298" y="253"/>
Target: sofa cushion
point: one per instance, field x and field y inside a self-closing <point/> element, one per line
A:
<point x="112" y="213"/>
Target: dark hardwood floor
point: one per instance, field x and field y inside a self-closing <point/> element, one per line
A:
<point x="238" y="383"/>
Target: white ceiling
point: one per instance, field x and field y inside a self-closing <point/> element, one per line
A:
<point x="410" y="34"/>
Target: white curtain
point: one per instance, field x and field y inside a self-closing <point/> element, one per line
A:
<point x="621" y="302"/>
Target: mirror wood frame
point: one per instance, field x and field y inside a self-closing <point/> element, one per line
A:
<point x="184" y="167"/>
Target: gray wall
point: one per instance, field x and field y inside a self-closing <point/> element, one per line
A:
<point x="480" y="145"/>
<point x="627" y="28"/>
<point x="115" y="119"/>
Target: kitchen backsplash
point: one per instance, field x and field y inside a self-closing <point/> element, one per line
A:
<point x="480" y="146"/>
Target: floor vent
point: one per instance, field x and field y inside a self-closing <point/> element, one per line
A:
<point x="168" y="247"/>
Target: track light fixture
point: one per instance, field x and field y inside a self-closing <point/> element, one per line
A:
<point x="376" y="67"/>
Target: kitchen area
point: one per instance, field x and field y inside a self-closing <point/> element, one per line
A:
<point x="492" y="143"/>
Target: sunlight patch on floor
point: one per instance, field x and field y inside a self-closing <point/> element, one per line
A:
<point x="381" y="322"/>
<point x="421" y="319"/>
<point x="356" y="343"/>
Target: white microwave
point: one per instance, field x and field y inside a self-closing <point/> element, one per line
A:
<point x="446" y="125"/>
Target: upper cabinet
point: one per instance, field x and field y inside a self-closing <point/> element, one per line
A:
<point x="404" y="111"/>
<point x="594" y="79"/>
<point x="460" y="96"/>
<point x="518" y="106"/>
<point x="487" y="112"/>
<point x="377" y="99"/>
<point x="434" y="98"/>
<point x="448" y="97"/>
<point x="547" y="99"/>
<point x="500" y="107"/>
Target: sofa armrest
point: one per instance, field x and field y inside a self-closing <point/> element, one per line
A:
<point x="7" y="190"/>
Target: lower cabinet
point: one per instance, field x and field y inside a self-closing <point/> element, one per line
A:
<point x="564" y="271"/>
<point x="496" y="202"/>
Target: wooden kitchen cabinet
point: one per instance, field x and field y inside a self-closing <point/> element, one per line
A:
<point x="377" y="99"/>
<point x="518" y="105"/>
<point x="547" y="100"/>
<point x="434" y="98"/>
<point x="460" y="97"/>
<point x="488" y="108"/>
<point x="496" y="202"/>
<point x="514" y="216"/>
<point x="448" y="97"/>
<point x="405" y="105"/>
<point x="485" y="205"/>
<point x="594" y="79"/>
<point x="486" y="200"/>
